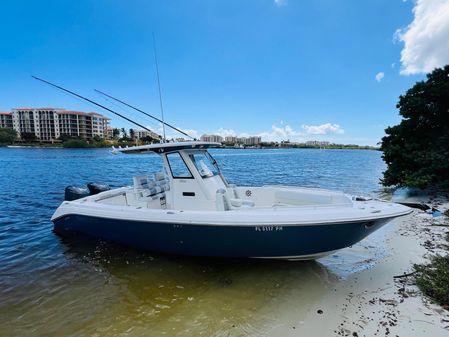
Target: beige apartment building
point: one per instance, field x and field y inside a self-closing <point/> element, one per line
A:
<point x="212" y="138"/>
<point x="48" y="124"/>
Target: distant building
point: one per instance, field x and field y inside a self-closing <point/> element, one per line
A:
<point x="6" y="120"/>
<point x="252" y="141"/>
<point x="139" y="134"/>
<point x="249" y="141"/>
<point x="48" y="124"/>
<point x="231" y="139"/>
<point x="317" y="143"/>
<point x="109" y="133"/>
<point x="180" y="139"/>
<point x="241" y="140"/>
<point x="212" y="138"/>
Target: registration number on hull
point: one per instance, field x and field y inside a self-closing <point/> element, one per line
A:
<point x="268" y="228"/>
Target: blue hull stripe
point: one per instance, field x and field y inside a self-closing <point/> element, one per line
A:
<point x="220" y="241"/>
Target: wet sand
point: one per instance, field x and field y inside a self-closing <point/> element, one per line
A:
<point x="374" y="302"/>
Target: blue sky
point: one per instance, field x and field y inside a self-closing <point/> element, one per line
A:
<point x="298" y="70"/>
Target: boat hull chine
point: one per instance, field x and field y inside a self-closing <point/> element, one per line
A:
<point x="273" y="241"/>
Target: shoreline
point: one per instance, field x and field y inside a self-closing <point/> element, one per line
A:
<point x="33" y="147"/>
<point x="381" y="301"/>
<point x="223" y="147"/>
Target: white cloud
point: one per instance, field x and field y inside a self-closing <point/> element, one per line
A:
<point x="280" y="2"/>
<point x="280" y="133"/>
<point x="323" y="129"/>
<point x="225" y="132"/>
<point x="277" y="133"/>
<point x="426" y="45"/>
<point x="380" y="76"/>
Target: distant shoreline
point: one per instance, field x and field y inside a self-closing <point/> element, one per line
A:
<point x="342" y="147"/>
<point x="33" y="147"/>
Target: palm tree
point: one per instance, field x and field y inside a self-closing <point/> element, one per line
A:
<point x="124" y="134"/>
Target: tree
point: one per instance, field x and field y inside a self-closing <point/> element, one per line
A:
<point x="115" y="133"/>
<point x="417" y="150"/>
<point x="149" y="139"/>
<point x="75" y="143"/>
<point x="7" y="136"/>
<point x="28" y="136"/>
<point x="124" y="134"/>
<point x="132" y="134"/>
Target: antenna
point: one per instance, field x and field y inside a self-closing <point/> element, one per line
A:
<point x="159" y="87"/>
<point x="145" y="113"/>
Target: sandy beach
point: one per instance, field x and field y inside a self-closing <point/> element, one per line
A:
<point x="376" y="302"/>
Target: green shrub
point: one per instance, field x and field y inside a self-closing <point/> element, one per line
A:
<point x="7" y="136"/>
<point x="75" y="143"/>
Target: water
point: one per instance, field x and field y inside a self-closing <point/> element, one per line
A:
<point x="51" y="286"/>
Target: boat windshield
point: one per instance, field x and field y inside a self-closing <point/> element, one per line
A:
<point x="205" y="165"/>
<point x="178" y="167"/>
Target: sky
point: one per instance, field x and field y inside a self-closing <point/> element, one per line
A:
<point x="283" y="69"/>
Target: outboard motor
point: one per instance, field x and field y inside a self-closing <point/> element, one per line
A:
<point x="73" y="193"/>
<point x="96" y="188"/>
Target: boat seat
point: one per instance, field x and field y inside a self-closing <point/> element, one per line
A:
<point x="224" y="203"/>
<point x="145" y="188"/>
<point x="159" y="176"/>
<point x="236" y="202"/>
<point x="235" y="199"/>
<point x="232" y="191"/>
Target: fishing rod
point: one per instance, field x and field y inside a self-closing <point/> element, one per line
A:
<point x="90" y="101"/>
<point x="145" y="113"/>
<point x="159" y="84"/>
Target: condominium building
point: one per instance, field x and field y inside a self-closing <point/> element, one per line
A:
<point x="109" y="133"/>
<point x="252" y="140"/>
<point x="212" y="138"/>
<point x="231" y="139"/>
<point x="317" y="143"/>
<point x="6" y="120"/>
<point x="48" y="124"/>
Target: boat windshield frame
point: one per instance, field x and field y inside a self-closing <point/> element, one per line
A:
<point x="190" y="176"/>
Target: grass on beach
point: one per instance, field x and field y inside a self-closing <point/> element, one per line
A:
<point x="433" y="277"/>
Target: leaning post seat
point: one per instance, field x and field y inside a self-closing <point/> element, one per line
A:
<point x="144" y="188"/>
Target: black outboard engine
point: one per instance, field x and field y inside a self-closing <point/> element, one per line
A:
<point x="96" y="188"/>
<point x="73" y="193"/>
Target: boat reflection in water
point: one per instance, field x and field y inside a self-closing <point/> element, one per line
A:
<point x="157" y="295"/>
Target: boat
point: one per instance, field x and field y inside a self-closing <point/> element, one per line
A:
<point x="189" y="208"/>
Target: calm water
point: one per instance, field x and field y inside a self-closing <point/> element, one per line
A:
<point x="51" y="286"/>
